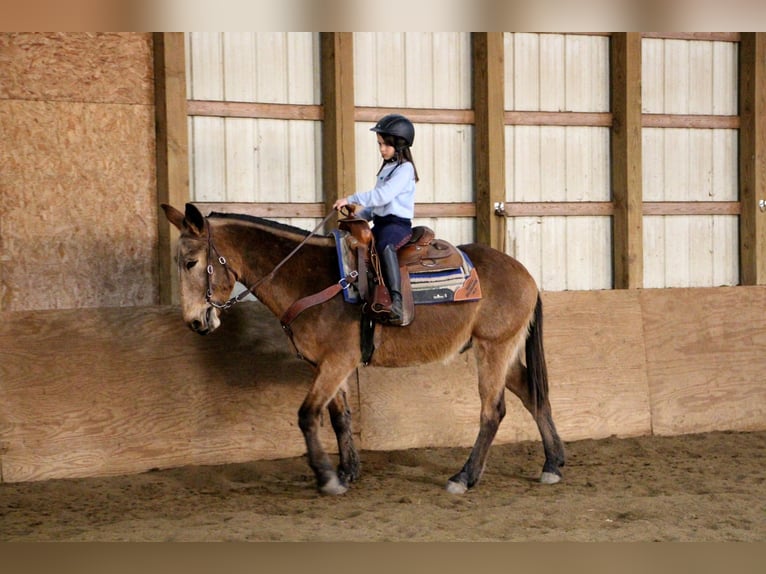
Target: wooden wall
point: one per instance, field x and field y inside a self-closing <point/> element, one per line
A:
<point x="555" y="73"/>
<point x="77" y="118"/>
<point x="234" y="158"/>
<point x="689" y="164"/>
<point x="565" y="144"/>
<point x="112" y="391"/>
<point x="428" y="71"/>
<point x="96" y="379"/>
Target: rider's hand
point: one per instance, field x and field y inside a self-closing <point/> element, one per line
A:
<point x="343" y="202"/>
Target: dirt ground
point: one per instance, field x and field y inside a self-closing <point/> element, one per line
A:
<point x="706" y="487"/>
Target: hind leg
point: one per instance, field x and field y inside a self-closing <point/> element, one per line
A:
<point x="516" y="381"/>
<point x="340" y="415"/>
<point x="491" y="365"/>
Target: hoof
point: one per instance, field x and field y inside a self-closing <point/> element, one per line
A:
<point x="549" y="478"/>
<point x="333" y="487"/>
<point x="456" y="487"/>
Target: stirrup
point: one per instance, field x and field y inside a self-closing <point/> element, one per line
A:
<point x="398" y="318"/>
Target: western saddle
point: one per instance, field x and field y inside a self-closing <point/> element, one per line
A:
<point x="422" y="253"/>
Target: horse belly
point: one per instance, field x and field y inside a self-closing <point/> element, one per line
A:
<point x="438" y="332"/>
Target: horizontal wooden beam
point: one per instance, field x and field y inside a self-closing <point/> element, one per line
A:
<point x="265" y="209"/>
<point x="536" y="118"/>
<point x="445" y="210"/>
<point x="417" y="115"/>
<point x="509" y="209"/>
<point x="689" y="121"/>
<point x="555" y="208"/>
<point x="254" y="110"/>
<point x="318" y="209"/>
<point x="606" y="208"/>
<point x="703" y="36"/>
<point x="692" y="208"/>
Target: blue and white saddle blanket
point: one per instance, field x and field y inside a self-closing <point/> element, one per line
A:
<point x="444" y="286"/>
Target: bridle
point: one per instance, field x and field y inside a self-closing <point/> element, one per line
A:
<point x="211" y="250"/>
<point x="293" y="310"/>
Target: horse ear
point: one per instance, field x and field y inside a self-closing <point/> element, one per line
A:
<point x="194" y="218"/>
<point x="174" y="216"/>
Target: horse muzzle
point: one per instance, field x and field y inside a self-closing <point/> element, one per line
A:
<point x="206" y="323"/>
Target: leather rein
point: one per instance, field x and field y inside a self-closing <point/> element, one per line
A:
<point x="298" y="306"/>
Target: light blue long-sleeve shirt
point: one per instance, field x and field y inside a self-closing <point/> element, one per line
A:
<point x="393" y="195"/>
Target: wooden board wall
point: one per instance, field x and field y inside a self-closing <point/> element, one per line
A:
<point x="113" y="391"/>
<point x="705" y="358"/>
<point x="78" y="162"/>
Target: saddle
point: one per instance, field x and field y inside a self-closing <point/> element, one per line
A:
<point x="422" y="253"/>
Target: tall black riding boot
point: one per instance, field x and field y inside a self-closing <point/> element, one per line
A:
<point x="393" y="281"/>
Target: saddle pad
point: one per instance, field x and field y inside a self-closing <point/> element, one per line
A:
<point x="461" y="284"/>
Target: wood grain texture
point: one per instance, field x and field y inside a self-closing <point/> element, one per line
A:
<point x="78" y="215"/>
<point x="705" y="358"/>
<point x="752" y="159"/>
<point x="172" y="150"/>
<point x="489" y="164"/>
<point x="597" y="378"/>
<point x="112" y="391"/>
<point x="626" y="171"/>
<point x="596" y="363"/>
<point x="77" y="67"/>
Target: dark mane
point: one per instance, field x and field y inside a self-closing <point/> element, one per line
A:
<point x="261" y="221"/>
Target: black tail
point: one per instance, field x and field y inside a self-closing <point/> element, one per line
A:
<point x="537" y="371"/>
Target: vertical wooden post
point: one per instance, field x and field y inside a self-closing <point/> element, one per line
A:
<point x="489" y="153"/>
<point x="752" y="157"/>
<point x="338" y="155"/>
<point x="626" y="171"/>
<point x="172" y="150"/>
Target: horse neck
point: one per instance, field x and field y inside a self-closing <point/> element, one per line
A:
<point x="255" y="250"/>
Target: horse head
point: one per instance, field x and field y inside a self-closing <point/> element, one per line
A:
<point x="204" y="279"/>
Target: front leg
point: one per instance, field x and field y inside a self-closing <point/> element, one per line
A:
<point x="330" y="376"/>
<point x="340" y="415"/>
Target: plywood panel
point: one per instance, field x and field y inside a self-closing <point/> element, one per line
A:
<point x="705" y="360"/>
<point x="77" y="67"/>
<point x="114" y="391"/>
<point x="108" y="391"/>
<point x="78" y="216"/>
<point x="594" y="342"/>
<point x="439" y="405"/>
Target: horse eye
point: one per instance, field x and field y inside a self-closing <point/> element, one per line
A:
<point x="191" y="264"/>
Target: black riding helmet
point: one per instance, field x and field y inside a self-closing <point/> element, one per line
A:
<point x="396" y="125"/>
